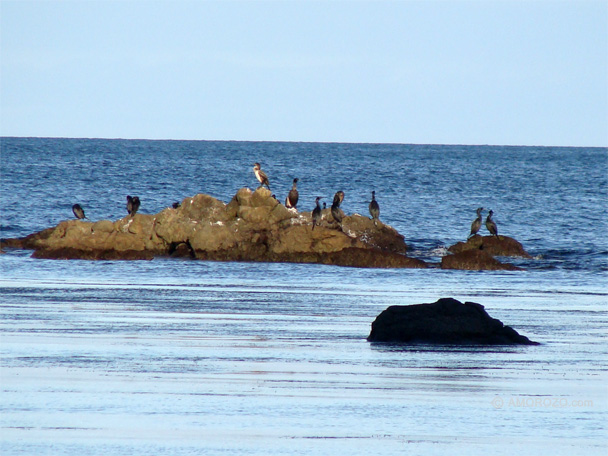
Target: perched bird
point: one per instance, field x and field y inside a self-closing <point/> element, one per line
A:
<point x="491" y="225"/>
<point x="78" y="212"/>
<point x="324" y="205"/>
<point x="316" y="214"/>
<point x="336" y="213"/>
<point x="374" y="208"/>
<point x="136" y="204"/>
<point x="338" y="197"/>
<point x="292" y="197"/>
<point x="261" y="175"/>
<point x="176" y="204"/>
<point x="133" y="204"/>
<point x="476" y="223"/>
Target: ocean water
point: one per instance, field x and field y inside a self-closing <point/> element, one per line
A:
<point x="175" y="356"/>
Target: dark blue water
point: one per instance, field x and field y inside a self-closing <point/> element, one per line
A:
<point x="191" y="357"/>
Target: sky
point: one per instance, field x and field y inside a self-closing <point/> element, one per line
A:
<point x="416" y="72"/>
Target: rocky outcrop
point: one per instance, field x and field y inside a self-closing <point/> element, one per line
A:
<point x="253" y="226"/>
<point x="446" y="321"/>
<point x="478" y="252"/>
<point x="492" y="245"/>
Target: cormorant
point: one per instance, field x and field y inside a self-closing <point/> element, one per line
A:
<point x="292" y="197"/>
<point x="476" y="223"/>
<point x="176" y="204"/>
<point x="374" y="208"/>
<point x="338" y="197"/>
<point x="316" y="214"/>
<point x="78" y="212"/>
<point x="133" y="204"/>
<point x="136" y="204"/>
<point x="261" y="175"/>
<point x="324" y="205"/>
<point x="491" y="225"/>
<point x="336" y="213"/>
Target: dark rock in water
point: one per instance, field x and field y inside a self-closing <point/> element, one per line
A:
<point x="446" y="321"/>
<point x="475" y="260"/>
<point x="67" y="253"/>
<point x="492" y="245"/>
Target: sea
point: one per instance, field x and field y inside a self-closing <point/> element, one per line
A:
<point x="188" y="357"/>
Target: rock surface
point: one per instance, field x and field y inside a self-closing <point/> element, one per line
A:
<point x="446" y="321"/>
<point x="475" y="260"/>
<point x="494" y="246"/>
<point x="253" y="226"/>
<point x="477" y="254"/>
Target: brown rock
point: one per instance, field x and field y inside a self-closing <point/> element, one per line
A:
<point x="254" y="226"/>
<point x="201" y="207"/>
<point x="257" y="215"/>
<point x="263" y="197"/>
<point x="495" y="246"/>
<point x="371" y="258"/>
<point x="68" y="253"/>
<point x="103" y="226"/>
<point x="378" y="236"/>
<point x="475" y="260"/>
<point x="302" y="238"/>
<point x="213" y="236"/>
<point x="172" y="227"/>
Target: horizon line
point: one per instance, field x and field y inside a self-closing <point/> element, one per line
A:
<point x="299" y="142"/>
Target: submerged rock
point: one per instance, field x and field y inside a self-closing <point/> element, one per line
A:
<point x="253" y="226"/>
<point x="475" y="260"/>
<point x="446" y="321"/>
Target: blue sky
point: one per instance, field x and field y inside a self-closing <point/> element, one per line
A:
<point x="479" y="72"/>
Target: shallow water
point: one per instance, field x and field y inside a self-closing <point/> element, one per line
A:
<point x="191" y="357"/>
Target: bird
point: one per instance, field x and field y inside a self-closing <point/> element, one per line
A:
<point x="324" y="205"/>
<point x="339" y="197"/>
<point x="491" y="225"/>
<point x="260" y="175"/>
<point x="316" y="213"/>
<point x="336" y="213"/>
<point x="374" y="208"/>
<point x="292" y="197"/>
<point x="133" y="204"/>
<point x="78" y="212"/>
<point x="476" y="223"/>
<point x="176" y="205"/>
<point x="136" y="204"/>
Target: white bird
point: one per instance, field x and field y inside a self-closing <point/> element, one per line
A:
<point x="261" y="175"/>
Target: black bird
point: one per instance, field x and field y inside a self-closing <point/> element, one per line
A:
<point x="324" y="205"/>
<point x="336" y="213"/>
<point x="261" y="175"/>
<point x="78" y="212"/>
<point x="176" y="204"/>
<point x="491" y="225"/>
<point x="292" y="197"/>
<point x="136" y="204"/>
<point x="476" y="223"/>
<point x="133" y="204"/>
<point x="374" y="208"/>
<point x="316" y="214"/>
<point x="338" y="198"/>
